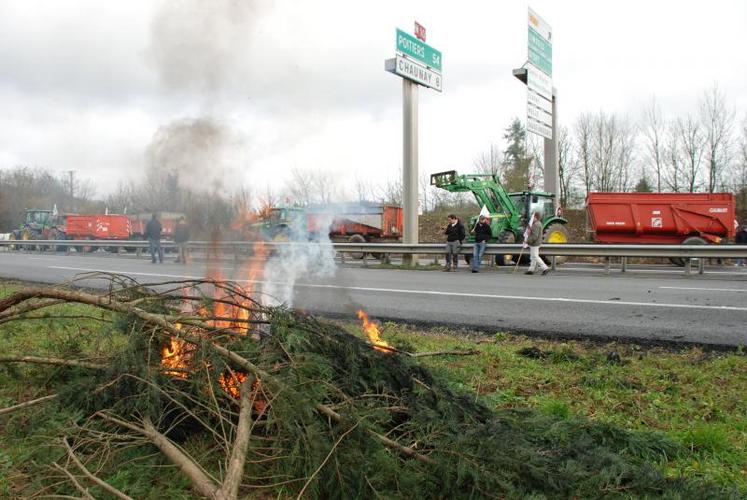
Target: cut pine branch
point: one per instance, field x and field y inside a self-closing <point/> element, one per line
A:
<point x="51" y="361"/>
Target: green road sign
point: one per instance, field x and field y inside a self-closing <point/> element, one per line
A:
<point x="414" y="48"/>
<point x="540" y="52"/>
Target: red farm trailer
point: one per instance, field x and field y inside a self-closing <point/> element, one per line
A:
<point x="168" y="223"/>
<point x="356" y="222"/>
<point x="97" y="227"/>
<point x="661" y="218"/>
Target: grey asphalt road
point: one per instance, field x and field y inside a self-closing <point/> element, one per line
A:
<point x="648" y="306"/>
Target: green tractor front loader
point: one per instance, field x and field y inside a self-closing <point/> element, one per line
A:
<point x="509" y="212"/>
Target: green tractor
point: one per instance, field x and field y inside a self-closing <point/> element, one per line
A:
<point x="509" y="212"/>
<point x="39" y="225"/>
<point x="282" y="223"/>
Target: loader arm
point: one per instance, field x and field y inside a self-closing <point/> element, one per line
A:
<point x="486" y="188"/>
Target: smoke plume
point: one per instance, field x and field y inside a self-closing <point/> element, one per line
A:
<point x="201" y="45"/>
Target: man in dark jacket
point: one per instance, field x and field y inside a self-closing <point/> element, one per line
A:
<point x="482" y="235"/>
<point x="454" y="236"/>
<point x="153" y="233"/>
<point x="181" y="237"/>
<point x="741" y="239"/>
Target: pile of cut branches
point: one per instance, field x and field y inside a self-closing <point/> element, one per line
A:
<point x="245" y="400"/>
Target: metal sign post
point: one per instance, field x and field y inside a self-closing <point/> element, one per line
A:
<point x="418" y="64"/>
<point x="410" y="162"/>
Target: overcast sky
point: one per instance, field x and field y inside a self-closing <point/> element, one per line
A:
<point x="94" y="86"/>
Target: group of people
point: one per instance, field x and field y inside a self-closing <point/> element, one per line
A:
<point x="455" y="235"/>
<point x="153" y="232"/>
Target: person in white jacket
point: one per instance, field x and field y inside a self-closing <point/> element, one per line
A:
<point x="533" y="239"/>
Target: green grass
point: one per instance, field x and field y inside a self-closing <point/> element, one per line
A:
<point x="696" y="397"/>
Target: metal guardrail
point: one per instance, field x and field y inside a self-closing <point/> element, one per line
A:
<point x="685" y="252"/>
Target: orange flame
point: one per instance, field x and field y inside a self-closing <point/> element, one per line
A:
<point x="371" y="329"/>
<point x="231" y="383"/>
<point x="176" y="355"/>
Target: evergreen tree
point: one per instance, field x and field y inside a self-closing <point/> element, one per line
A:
<point x="516" y="159"/>
<point x="643" y="186"/>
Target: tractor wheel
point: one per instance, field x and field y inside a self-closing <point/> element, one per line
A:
<point x="692" y="240"/>
<point x="356" y="238"/>
<point x="55" y="234"/>
<point x="506" y="238"/>
<point x="282" y="235"/>
<point x="27" y="236"/>
<point x="555" y="233"/>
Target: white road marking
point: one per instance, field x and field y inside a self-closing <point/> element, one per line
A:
<point x="737" y="290"/>
<point x="437" y="293"/>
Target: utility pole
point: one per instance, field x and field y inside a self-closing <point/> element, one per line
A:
<point x="71" y="184"/>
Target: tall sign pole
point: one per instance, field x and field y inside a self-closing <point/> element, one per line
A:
<point x="419" y="65"/>
<point x="542" y="96"/>
<point x="410" y="161"/>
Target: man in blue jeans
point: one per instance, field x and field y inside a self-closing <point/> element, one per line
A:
<point x="482" y="235"/>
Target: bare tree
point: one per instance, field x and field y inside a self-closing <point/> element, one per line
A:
<point x="739" y="169"/>
<point x="583" y="129"/>
<point x="673" y="162"/>
<point x="363" y="189"/>
<point x="653" y="133"/>
<point x="692" y="144"/>
<point x="536" y="154"/>
<point x="490" y="162"/>
<point x="568" y="165"/>
<point x="307" y="187"/>
<point x="717" y="121"/>
<point x="391" y="192"/>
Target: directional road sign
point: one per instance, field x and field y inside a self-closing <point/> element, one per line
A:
<point x="539" y="76"/>
<point x="413" y="48"/>
<point x="411" y="70"/>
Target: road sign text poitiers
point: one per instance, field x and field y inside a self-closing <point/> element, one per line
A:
<point x="415" y="49"/>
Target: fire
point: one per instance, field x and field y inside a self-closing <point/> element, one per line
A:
<point x="231" y="383"/>
<point x="176" y="355"/>
<point x="371" y="329"/>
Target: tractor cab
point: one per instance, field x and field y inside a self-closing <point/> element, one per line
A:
<point x="39" y="219"/>
<point x="283" y="223"/>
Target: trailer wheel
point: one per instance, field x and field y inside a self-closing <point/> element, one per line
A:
<point x="692" y="240"/>
<point x="556" y="233"/>
<point x="356" y="238"/>
<point x="505" y="238"/>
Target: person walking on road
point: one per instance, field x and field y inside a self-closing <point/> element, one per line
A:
<point x="741" y="239"/>
<point x="454" y="236"/>
<point x="482" y="235"/>
<point x="533" y="240"/>
<point x="181" y="237"/>
<point x="153" y="233"/>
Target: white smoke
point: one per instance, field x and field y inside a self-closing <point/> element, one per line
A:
<point x="300" y="259"/>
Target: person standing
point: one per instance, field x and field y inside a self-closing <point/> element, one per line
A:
<point x="482" y="235"/>
<point x="533" y="241"/>
<point x="153" y="233"/>
<point x="454" y="236"/>
<point x="741" y="239"/>
<point x="181" y="237"/>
